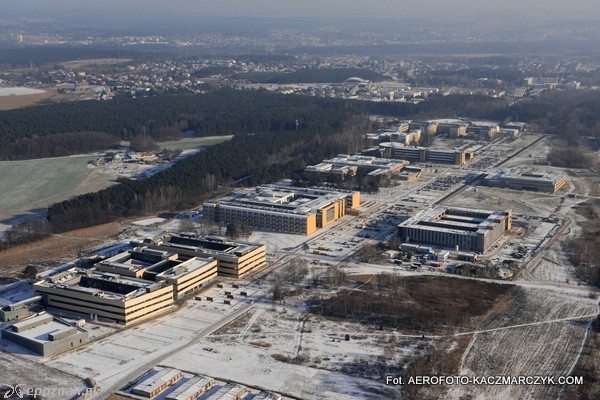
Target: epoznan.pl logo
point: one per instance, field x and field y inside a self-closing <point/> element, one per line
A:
<point x="22" y="392"/>
<point x="13" y="391"/>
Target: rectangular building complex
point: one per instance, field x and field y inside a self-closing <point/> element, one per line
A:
<point x="192" y="388"/>
<point x="283" y="208"/>
<point x="234" y="259"/>
<point x="45" y="335"/>
<point x="106" y="295"/>
<point x="425" y="154"/>
<point x="525" y="180"/>
<point x="348" y="165"/>
<point x="469" y="229"/>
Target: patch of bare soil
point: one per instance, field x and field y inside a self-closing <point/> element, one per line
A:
<point x="56" y="247"/>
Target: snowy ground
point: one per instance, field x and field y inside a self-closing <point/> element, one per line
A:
<point x="19" y="91"/>
<point x="285" y="350"/>
<point x="543" y="348"/>
<point x="148" y="222"/>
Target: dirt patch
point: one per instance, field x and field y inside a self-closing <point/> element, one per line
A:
<point x="94" y="62"/>
<point x="421" y="304"/>
<point x="12" y="102"/>
<point x="442" y="358"/>
<point x="56" y="247"/>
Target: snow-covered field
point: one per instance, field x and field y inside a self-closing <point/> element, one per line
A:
<point x="19" y="91"/>
<point x="542" y="347"/>
<point x="285" y="350"/>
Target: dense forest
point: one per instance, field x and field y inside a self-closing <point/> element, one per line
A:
<point x="161" y="118"/>
<point x="261" y="157"/>
<point x="57" y="145"/>
<point x="570" y="113"/>
<point x="311" y="75"/>
<point x="268" y="145"/>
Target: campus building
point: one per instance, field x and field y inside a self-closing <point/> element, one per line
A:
<point x="106" y="295"/>
<point x="283" y="208"/>
<point x="146" y="281"/>
<point x="185" y="273"/>
<point x="548" y="182"/>
<point x="345" y="165"/>
<point x="45" y="335"/>
<point x="234" y="259"/>
<point x="465" y="228"/>
<point x="425" y="154"/>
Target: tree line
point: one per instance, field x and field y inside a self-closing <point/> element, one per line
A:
<point x="311" y="75"/>
<point x="160" y="118"/>
<point x="263" y="157"/>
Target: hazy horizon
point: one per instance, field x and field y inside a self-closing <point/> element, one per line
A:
<point x="387" y="9"/>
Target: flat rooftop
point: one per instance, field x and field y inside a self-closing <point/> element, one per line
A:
<point x="525" y="175"/>
<point x="155" y="379"/>
<point x="453" y="220"/>
<point x="41" y="333"/>
<point x="101" y="284"/>
<point x="209" y="245"/>
<point x="284" y="199"/>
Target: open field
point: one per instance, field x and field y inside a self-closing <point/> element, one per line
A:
<point x="56" y="248"/>
<point x="94" y="62"/>
<point x="12" y="102"/>
<point x="17" y="372"/>
<point x="193" y="143"/>
<point x="33" y="184"/>
<point x="541" y="347"/>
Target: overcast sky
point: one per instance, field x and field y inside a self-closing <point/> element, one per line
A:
<point x="305" y="8"/>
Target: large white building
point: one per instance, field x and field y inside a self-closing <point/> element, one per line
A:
<point x="469" y="229"/>
<point x="549" y="182"/>
<point x="283" y="208"/>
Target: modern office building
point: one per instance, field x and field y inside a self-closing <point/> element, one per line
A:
<point x="283" y="208"/>
<point x="548" y="182"/>
<point x="465" y="228"/>
<point x="106" y="295"/>
<point x="234" y="259"/>
<point x="344" y="166"/>
<point x="425" y="154"/>
<point x="186" y="273"/>
<point x="146" y="281"/>
<point x="45" y="335"/>
<point x="484" y="130"/>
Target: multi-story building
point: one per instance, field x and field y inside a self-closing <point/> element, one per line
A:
<point x="465" y="228"/>
<point x="548" y="182"/>
<point x="345" y="165"/>
<point x="185" y="273"/>
<point x="234" y="259"/>
<point x="283" y="208"/>
<point x="425" y="154"/>
<point x="106" y="295"/>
